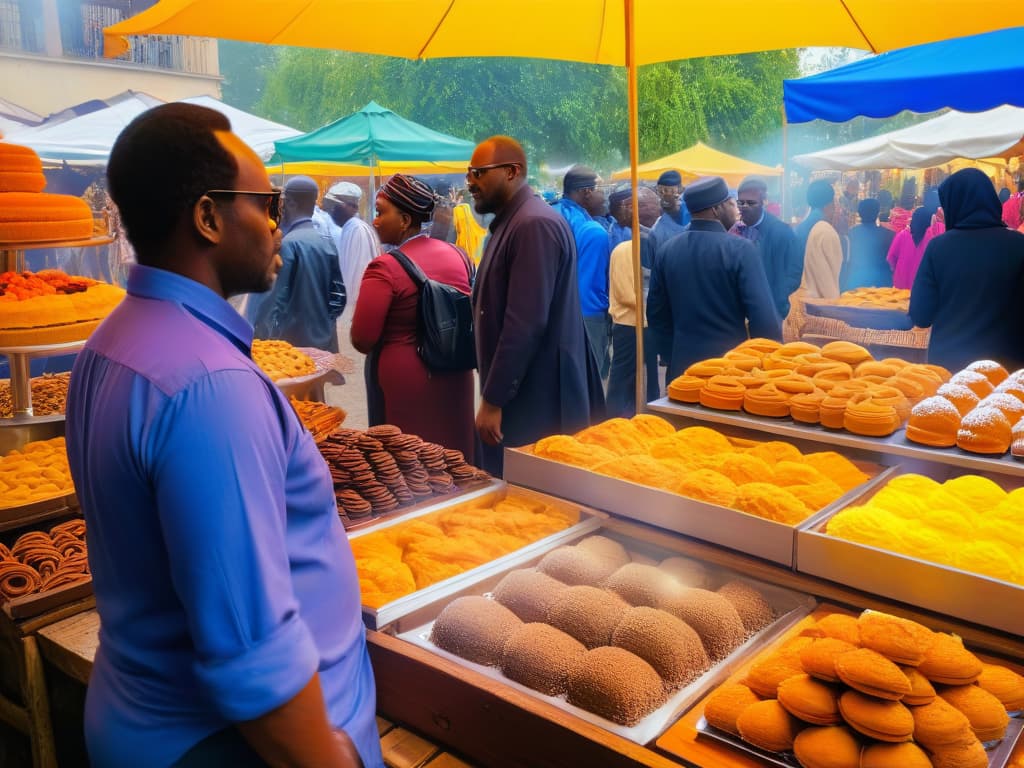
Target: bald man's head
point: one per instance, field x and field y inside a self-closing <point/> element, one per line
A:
<point x="496" y="172"/>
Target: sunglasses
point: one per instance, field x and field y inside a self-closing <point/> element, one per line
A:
<point x="273" y="199"/>
<point x="748" y="203"/>
<point x="476" y="172"/>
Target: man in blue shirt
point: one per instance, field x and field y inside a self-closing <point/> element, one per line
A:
<point x="582" y="200"/>
<point x="229" y="599"/>
<point x="674" y="216"/>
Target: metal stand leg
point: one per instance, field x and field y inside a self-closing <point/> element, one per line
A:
<point x="21" y="384"/>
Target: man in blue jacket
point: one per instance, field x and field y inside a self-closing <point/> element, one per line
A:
<point x="582" y="200"/>
<point x="707" y="285"/>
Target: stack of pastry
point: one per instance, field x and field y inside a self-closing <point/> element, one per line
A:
<point x="613" y="636"/>
<point x="49" y="395"/>
<point x="27" y="214"/>
<point x="52" y="307"/>
<point x="839" y="385"/>
<point x="41" y="560"/>
<point x="319" y="418"/>
<point x="877" y="690"/>
<point x="770" y="479"/>
<point x="402" y="558"/>
<point x="382" y="469"/>
<point x="876" y="298"/>
<point x="280" y="360"/>
<point x="35" y="472"/>
<point x="968" y="522"/>
<point x="980" y="409"/>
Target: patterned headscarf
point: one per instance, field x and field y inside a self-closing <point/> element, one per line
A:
<point x="409" y="194"/>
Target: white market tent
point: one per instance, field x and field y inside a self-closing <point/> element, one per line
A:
<point x="995" y="133"/>
<point x="88" y="139"/>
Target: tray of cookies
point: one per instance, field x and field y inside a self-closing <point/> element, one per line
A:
<point x="43" y="566"/>
<point x="35" y="483"/>
<point x="615" y="631"/>
<point x="419" y="557"/>
<point x="738" y="492"/>
<point x="949" y="546"/>
<point x="49" y="395"/>
<point x="874" y="689"/>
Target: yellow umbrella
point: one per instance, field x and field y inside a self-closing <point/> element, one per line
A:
<point x="626" y="33"/>
<point x="701" y="160"/>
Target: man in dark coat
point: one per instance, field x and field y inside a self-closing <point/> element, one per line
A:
<point x="308" y="295"/>
<point x="707" y="284"/>
<point x="969" y="286"/>
<point x="538" y="376"/>
<point x="780" y="252"/>
<point x="674" y="217"/>
<point x="869" y="248"/>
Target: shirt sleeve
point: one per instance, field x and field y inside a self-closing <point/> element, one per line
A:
<point x="924" y="295"/>
<point x="222" y="511"/>
<point x="620" y="278"/>
<point x="376" y="293"/>
<point x="532" y="279"/>
<point x="594" y="253"/>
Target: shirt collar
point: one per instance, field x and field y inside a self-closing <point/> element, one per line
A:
<point x="202" y="302"/>
<point x="293" y="224"/>
<point x="523" y="194"/>
<point x="759" y="222"/>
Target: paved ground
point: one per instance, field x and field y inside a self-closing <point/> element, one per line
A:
<point x="351" y="396"/>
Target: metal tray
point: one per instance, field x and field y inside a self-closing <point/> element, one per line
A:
<point x="789" y="606"/>
<point x="731" y="528"/>
<point x="895" y="445"/>
<point x="941" y="588"/>
<point x="398" y="610"/>
<point x="998" y="756"/>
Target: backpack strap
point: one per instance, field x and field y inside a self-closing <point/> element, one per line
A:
<point x="411" y="268"/>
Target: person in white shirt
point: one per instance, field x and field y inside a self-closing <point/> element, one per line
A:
<point x="356" y="241"/>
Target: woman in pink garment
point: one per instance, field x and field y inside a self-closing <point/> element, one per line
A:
<point x="907" y="249"/>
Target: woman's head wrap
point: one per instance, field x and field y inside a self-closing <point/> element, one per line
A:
<point x="919" y="223"/>
<point x="409" y="194"/>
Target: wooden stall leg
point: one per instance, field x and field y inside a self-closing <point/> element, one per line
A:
<point x="44" y="751"/>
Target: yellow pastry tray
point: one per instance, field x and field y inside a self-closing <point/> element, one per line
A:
<point x="45" y="335"/>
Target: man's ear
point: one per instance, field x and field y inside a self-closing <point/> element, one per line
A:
<point x="207" y="220"/>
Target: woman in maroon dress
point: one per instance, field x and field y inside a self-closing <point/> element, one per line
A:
<point x="434" y="405"/>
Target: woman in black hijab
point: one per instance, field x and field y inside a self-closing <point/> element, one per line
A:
<point x="970" y="286"/>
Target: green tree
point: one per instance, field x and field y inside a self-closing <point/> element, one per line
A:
<point x="245" y="67"/>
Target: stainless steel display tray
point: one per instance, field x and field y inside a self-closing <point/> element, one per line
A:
<point x="398" y="610"/>
<point x="731" y="528"/>
<point x="790" y="607"/>
<point x="998" y="756"/>
<point x="941" y="588"/>
<point x="896" y="444"/>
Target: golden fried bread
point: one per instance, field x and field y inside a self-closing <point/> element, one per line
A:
<point x="934" y="421"/>
<point x="969" y="755"/>
<point x="838" y="625"/>
<point x="905" y="755"/>
<point x="846" y="352"/>
<point x="726" y="704"/>
<point x="877" y="718"/>
<point x="962" y="397"/>
<point x="819" y="658"/>
<point x="946" y="661"/>
<point x="828" y="747"/>
<point x="768" y="670"/>
<point x="1003" y="683"/>
<point x="900" y="640"/>
<point x="810" y="700"/>
<point x="978" y="383"/>
<point x="870" y="672"/>
<point x="768" y="725"/>
<point x="939" y="723"/>
<point x="921" y="689"/>
<point x="985" y="712"/>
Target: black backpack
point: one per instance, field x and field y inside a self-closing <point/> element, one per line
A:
<point x="445" y="333"/>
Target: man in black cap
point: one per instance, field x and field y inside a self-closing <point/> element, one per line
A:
<point x="674" y="216"/>
<point x="582" y="200"/>
<point x="780" y="253"/>
<point x="620" y="208"/>
<point x="707" y="285"/>
<point x="308" y="296"/>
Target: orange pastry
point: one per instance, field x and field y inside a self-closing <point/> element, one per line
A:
<point x="886" y="395"/>
<point x="1012" y="407"/>
<point x="795" y="384"/>
<point x="705" y="369"/>
<point x="905" y="755"/>
<point x="939" y="724"/>
<point x="1003" y="683"/>
<point x="768" y="725"/>
<point x="837" y="468"/>
<point x="742" y="361"/>
<point x="962" y="397"/>
<point x="810" y="700"/>
<point x="836" y="372"/>
<point x="1017" y="439"/>
<point x="875" y="368"/>
<point x="866" y="415"/>
<point x="569" y="450"/>
<point x="726" y="704"/>
<point x="984" y="711"/>
<point x="876" y="718"/>
<point x="810" y="364"/>
<point x="743" y="468"/>
<point x="39" y="216"/>
<point x="767" y="400"/>
<point x="769" y="670"/>
<point x="985" y="430"/>
<point x="846" y="352"/>
<point x="819" y="658"/>
<point x="707" y="485"/>
<point x="806" y="408"/>
<point x="992" y="370"/>
<point x="968" y="755"/>
<point x="839" y="626"/>
<point x="758" y="345"/>
<point x="828" y="747"/>
<point x="685" y="388"/>
<point x="779" y="362"/>
<point x="771" y="502"/>
<point x="702" y="440"/>
<point x="1013" y="385"/>
<point x="652" y="427"/>
<point x="941" y="373"/>
<point x="921" y="689"/>
<point x="934" y="421"/>
<point x="900" y="640"/>
<point x="913" y="389"/>
<point x="618" y="435"/>
<point x="774" y="451"/>
<point x="978" y="383"/>
<point x="797" y="348"/>
<point x="947" y="661"/>
<point x="724" y="393"/>
<point x="832" y="410"/>
<point x="870" y="672"/>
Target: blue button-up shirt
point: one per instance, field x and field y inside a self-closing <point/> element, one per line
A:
<point x="223" y="577"/>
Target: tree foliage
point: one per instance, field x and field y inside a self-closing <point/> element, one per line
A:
<point x="562" y="112"/>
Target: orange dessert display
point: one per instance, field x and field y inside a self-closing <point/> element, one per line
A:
<point x="37" y="471"/>
<point x="39" y="561"/>
<point x="280" y="360"/>
<point x="985" y="430"/>
<point x="27" y="214"/>
<point x="51" y="307"/>
<point x="934" y="421"/>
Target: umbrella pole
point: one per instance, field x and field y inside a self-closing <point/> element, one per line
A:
<point x="372" y="202"/>
<point x="783" y="192"/>
<point x="634" y="156"/>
